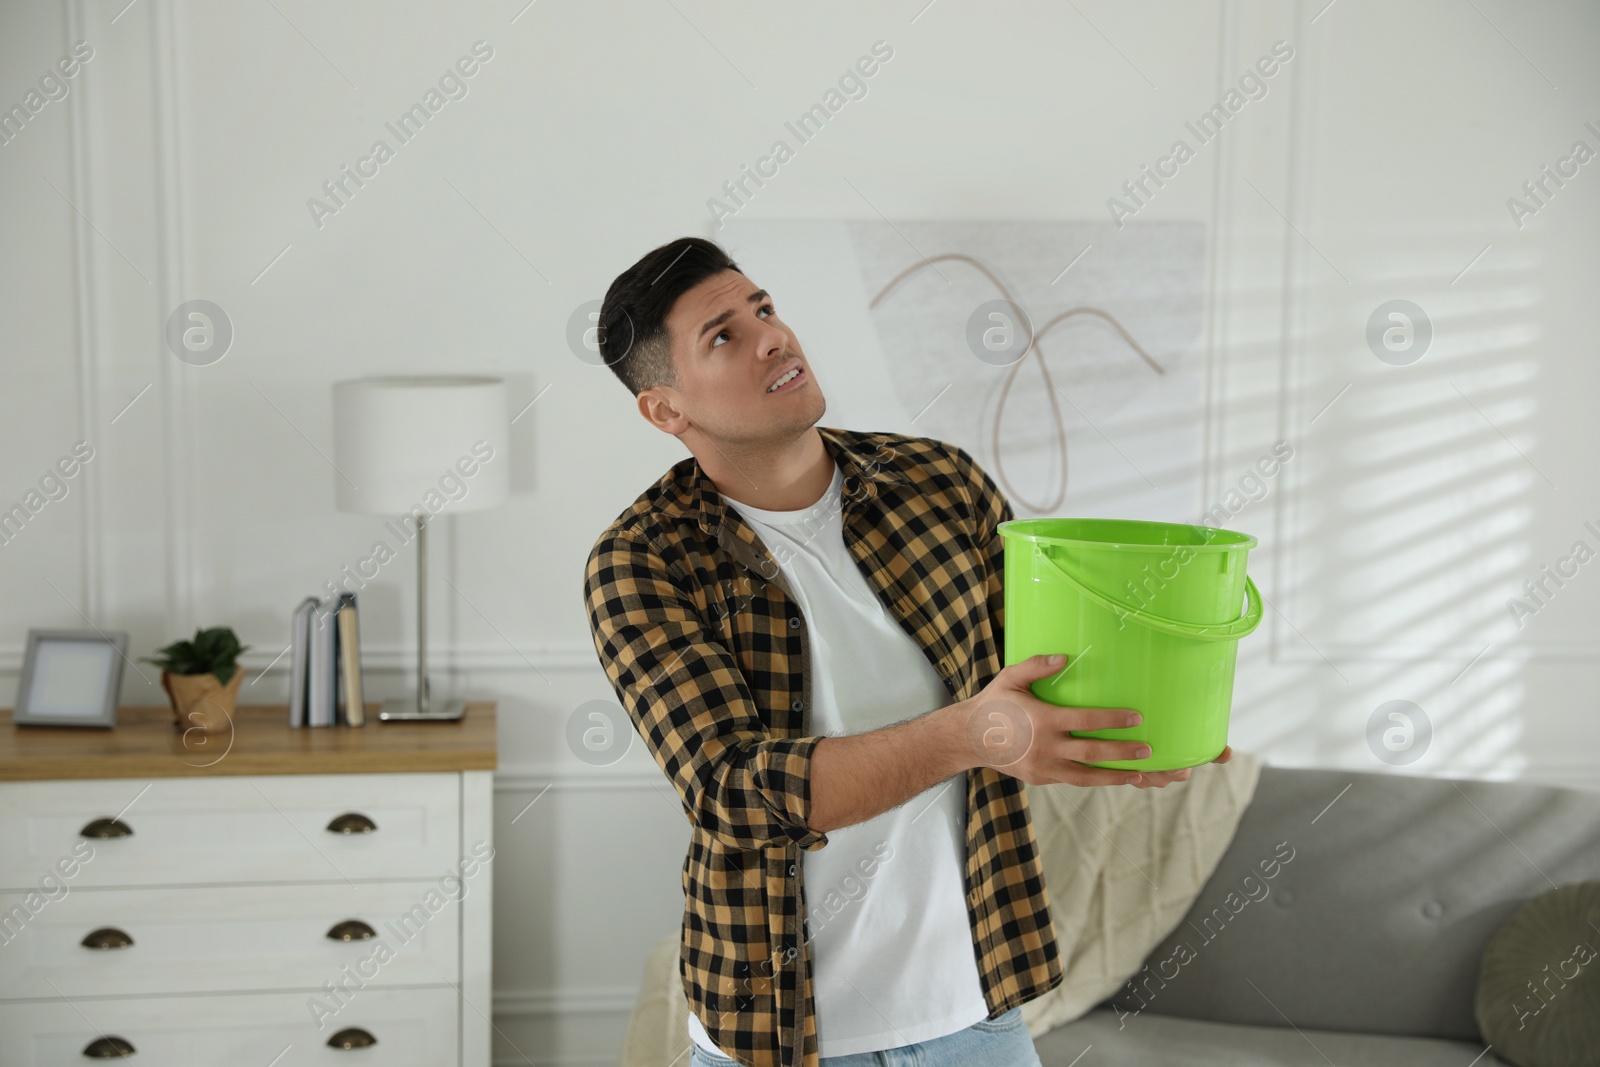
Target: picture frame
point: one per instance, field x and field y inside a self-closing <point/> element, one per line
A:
<point x="71" y="678"/>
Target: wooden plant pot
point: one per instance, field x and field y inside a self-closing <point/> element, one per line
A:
<point x="200" y="702"/>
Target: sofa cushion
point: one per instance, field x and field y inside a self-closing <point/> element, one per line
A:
<point x="1148" y="1039"/>
<point x="1122" y="867"/>
<point x="1539" y="986"/>
<point x="1378" y="917"/>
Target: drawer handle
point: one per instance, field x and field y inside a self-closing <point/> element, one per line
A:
<point x="352" y="930"/>
<point x="107" y="937"/>
<point x="103" y="828"/>
<point x="352" y="823"/>
<point x="355" y="1037"/>
<point x="105" y="1048"/>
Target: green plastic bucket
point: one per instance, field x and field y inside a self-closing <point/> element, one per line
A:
<point x="1148" y="615"/>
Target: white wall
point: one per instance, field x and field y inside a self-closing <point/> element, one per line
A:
<point x="1378" y="166"/>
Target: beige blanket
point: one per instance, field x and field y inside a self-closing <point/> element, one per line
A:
<point x="1122" y="867"/>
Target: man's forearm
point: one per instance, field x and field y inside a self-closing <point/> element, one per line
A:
<point x="857" y="777"/>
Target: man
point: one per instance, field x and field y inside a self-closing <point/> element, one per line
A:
<point x="805" y="626"/>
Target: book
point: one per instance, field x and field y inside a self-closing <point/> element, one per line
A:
<point x="338" y="667"/>
<point x="322" y="699"/>
<point x="325" y="678"/>
<point x="299" y="659"/>
<point x="355" y="713"/>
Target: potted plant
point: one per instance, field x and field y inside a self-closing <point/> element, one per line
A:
<point x="201" y="677"/>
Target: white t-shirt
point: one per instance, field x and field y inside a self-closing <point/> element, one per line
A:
<point x="891" y="945"/>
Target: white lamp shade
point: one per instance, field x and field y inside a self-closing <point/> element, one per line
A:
<point x="437" y="443"/>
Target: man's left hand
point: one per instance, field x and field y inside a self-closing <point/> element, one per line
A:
<point x="1159" y="779"/>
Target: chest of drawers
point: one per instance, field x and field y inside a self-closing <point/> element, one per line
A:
<point x="312" y="896"/>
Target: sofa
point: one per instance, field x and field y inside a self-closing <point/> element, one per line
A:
<point x="1344" y="924"/>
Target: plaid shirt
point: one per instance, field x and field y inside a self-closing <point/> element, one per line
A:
<point x="708" y="652"/>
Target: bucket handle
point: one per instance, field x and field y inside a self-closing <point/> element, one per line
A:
<point x="1226" y="631"/>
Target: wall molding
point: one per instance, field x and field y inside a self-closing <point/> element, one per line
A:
<point x="87" y="301"/>
<point x="1462" y="652"/>
<point x="178" y="428"/>
<point x="1291" y="344"/>
<point x="442" y="660"/>
<point x="496" y="658"/>
<point x="536" y="1003"/>
<point x="1213" y="404"/>
<point x="1300" y="262"/>
<point x="574" y="658"/>
<point x="528" y="777"/>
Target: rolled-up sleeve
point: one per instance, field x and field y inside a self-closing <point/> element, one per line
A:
<point x="691" y="705"/>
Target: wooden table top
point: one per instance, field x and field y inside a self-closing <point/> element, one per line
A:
<point x="147" y="744"/>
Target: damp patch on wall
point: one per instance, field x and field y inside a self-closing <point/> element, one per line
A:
<point x="1098" y="412"/>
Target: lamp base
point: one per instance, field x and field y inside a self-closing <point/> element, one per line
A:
<point x="406" y="710"/>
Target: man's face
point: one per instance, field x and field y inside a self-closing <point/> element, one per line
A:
<point x="729" y="347"/>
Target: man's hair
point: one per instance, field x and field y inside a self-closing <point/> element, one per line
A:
<point x="633" y="336"/>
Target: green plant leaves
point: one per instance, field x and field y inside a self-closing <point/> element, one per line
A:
<point x="210" y="651"/>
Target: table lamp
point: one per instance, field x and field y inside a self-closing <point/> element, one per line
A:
<point x="416" y="447"/>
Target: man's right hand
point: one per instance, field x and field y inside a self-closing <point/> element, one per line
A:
<point x="1011" y="730"/>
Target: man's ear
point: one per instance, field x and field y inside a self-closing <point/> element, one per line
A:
<point x="659" y="411"/>
<point x="657" y="403"/>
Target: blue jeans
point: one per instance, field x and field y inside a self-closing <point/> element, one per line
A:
<point x="1000" y="1042"/>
